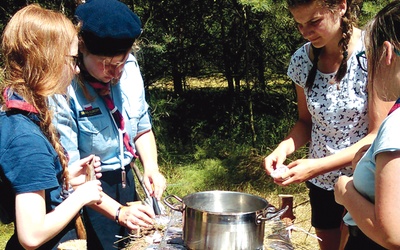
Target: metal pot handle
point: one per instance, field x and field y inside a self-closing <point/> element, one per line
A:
<point x="270" y="213"/>
<point x="175" y="207"/>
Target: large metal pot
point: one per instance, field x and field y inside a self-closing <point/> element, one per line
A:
<point x="216" y="220"/>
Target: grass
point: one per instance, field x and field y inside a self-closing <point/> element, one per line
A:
<point x="218" y="154"/>
<point x="5" y="233"/>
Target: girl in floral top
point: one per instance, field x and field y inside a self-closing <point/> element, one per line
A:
<point x="337" y="113"/>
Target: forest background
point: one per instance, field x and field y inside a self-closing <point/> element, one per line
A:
<point x="215" y="78"/>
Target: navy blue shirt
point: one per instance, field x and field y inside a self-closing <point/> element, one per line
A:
<point x="28" y="163"/>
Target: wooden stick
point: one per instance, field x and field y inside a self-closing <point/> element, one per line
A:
<point x="287" y="200"/>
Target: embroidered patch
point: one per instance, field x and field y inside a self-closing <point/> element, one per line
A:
<point x="90" y="112"/>
<point x="87" y="106"/>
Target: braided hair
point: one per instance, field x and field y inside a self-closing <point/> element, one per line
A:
<point x="34" y="45"/>
<point x="349" y="20"/>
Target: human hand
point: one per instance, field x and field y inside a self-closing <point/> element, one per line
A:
<point x="278" y="171"/>
<point x="273" y="160"/>
<point x="155" y="183"/>
<point x="298" y="171"/>
<point x="358" y="155"/>
<point x="342" y="186"/>
<point x="136" y="215"/>
<point x="79" y="170"/>
<point x="90" y="192"/>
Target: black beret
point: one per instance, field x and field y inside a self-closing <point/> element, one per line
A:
<point x="109" y="27"/>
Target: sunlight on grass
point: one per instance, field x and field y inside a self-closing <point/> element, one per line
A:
<point x="195" y="177"/>
<point x="6" y="230"/>
<point x="217" y="81"/>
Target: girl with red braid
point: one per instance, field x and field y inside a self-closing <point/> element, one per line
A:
<point x="39" y="47"/>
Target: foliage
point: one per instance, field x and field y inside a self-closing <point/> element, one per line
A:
<point x="5" y="234"/>
<point x="370" y="8"/>
<point x="199" y="38"/>
<point x="205" y="142"/>
<point x="247" y="41"/>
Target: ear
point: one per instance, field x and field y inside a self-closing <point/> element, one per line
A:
<point x="343" y="7"/>
<point x="388" y="50"/>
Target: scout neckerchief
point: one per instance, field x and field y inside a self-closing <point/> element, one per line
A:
<point x="395" y="106"/>
<point x="103" y="90"/>
<point x="16" y="103"/>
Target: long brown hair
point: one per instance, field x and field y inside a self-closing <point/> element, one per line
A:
<point x="349" y="20"/>
<point x="35" y="45"/>
<point x="385" y="26"/>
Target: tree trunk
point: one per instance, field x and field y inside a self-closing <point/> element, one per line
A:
<point x="177" y="79"/>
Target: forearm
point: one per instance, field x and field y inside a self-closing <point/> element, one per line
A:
<point x="153" y="179"/>
<point x="147" y="150"/>
<point x="378" y="221"/>
<point x="64" y="213"/>
<point x="297" y="137"/>
<point x="362" y="212"/>
<point x="344" y="157"/>
<point x="35" y="226"/>
<point x="108" y="207"/>
<point x="130" y="215"/>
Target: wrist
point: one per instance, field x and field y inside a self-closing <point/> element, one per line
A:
<point x="118" y="214"/>
<point x="151" y="171"/>
<point x="285" y="147"/>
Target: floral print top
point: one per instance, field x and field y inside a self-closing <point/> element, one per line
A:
<point x="339" y="111"/>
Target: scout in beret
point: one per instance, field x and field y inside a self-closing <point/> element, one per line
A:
<point x="108" y="27"/>
<point x="106" y="114"/>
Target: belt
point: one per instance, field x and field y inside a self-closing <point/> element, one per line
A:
<point x="355" y="231"/>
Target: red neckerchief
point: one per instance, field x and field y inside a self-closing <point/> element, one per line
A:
<point x="103" y="90"/>
<point x="395" y="106"/>
<point x="15" y="101"/>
